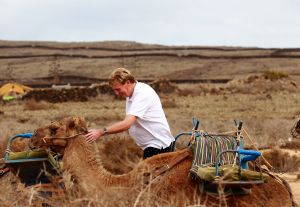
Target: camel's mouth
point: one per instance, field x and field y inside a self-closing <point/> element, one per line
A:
<point x="56" y="135"/>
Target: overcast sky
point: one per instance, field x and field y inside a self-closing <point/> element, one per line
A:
<point x="258" y="23"/>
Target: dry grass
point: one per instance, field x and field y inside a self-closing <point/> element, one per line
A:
<point x="119" y="153"/>
<point x="260" y="113"/>
<point x="267" y="115"/>
<point x="282" y="162"/>
<point x="267" y="120"/>
<point x="168" y="102"/>
<point x="35" y="105"/>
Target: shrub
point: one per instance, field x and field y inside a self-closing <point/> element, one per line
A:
<point x="169" y="103"/>
<point x="275" y="75"/>
<point x="34" y="105"/>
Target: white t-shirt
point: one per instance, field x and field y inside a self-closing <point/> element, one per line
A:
<point x="151" y="128"/>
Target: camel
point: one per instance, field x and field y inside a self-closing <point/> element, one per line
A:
<point x="141" y="186"/>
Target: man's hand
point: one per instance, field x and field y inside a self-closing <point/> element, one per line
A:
<point x="93" y="134"/>
<point x="120" y="126"/>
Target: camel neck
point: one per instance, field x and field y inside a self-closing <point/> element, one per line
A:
<point x="81" y="155"/>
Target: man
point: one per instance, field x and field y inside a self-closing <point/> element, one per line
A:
<point x="145" y="119"/>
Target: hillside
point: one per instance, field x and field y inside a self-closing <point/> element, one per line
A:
<point x="40" y="62"/>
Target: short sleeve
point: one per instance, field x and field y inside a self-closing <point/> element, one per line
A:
<point x="140" y="104"/>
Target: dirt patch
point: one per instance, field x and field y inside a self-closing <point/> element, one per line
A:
<point x="163" y="85"/>
<point x="256" y="84"/>
<point x="251" y="84"/>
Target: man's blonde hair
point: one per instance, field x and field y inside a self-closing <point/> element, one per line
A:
<point x="121" y="75"/>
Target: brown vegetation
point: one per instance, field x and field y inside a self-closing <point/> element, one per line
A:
<point x="282" y="161"/>
<point x="54" y="95"/>
<point x="81" y="161"/>
<point x="163" y="85"/>
<point x="267" y="102"/>
<point x="275" y="75"/>
<point x="32" y="104"/>
<point x="253" y="84"/>
<point x="215" y="112"/>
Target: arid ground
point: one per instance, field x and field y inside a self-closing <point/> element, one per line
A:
<point x="264" y="92"/>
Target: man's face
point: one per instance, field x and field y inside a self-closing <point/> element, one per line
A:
<point x="121" y="90"/>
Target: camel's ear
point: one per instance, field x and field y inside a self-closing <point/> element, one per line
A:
<point x="53" y="127"/>
<point x="74" y="121"/>
<point x="70" y="124"/>
<point x="82" y="123"/>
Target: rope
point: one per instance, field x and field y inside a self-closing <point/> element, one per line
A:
<point x="69" y="137"/>
<point x="265" y="160"/>
<point x="31" y="147"/>
<point x="223" y="133"/>
<point x="208" y="147"/>
<point x="239" y="135"/>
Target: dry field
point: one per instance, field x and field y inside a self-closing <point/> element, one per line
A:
<point x="268" y="107"/>
<point x="268" y="118"/>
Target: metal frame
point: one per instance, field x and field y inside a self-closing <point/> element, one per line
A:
<point x="243" y="156"/>
<point x="27" y="168"/>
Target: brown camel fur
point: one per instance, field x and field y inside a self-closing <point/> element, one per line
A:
<point x="174" y="187"/>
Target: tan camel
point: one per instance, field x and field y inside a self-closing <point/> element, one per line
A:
<point x="138" y="187"/>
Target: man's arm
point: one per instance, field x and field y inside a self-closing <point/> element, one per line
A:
<point x="120" y="126"/>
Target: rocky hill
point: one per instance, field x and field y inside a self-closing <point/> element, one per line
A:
<point x="89" y="62"/>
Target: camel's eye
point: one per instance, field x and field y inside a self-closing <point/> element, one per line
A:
<point x="53" y="131"/>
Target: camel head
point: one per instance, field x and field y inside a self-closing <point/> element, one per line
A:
<point x="56" y="135"/>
